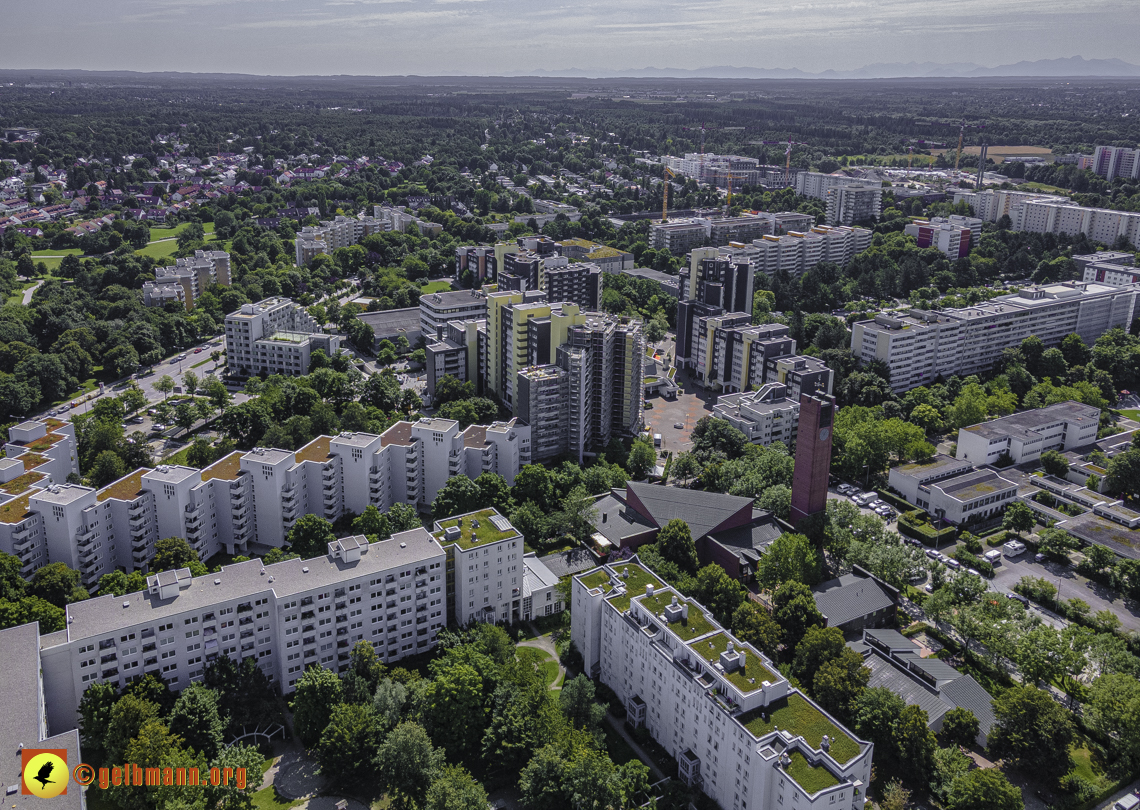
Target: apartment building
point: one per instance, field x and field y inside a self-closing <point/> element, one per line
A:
<point x="794" y="252"/>
<point x="1108" y="267"/>
<point x="799" y="373"/>
<point x="24" y="721"/>
<point x="1111" y="162"/>
<point x="610" y="260"/>
<point x="766" y="415"/>
<point x="45" y="446"/>
<point x="186" y="280"/>
<point x="992" y="204"/>
<point x="579" y="283"/>
<point x="726" y="351"/>
<point x="1025" y="436"/>
<point x="484" y="567"/>
<point x="682" y="235"/>
<point x="286" y="616"/>
<point x="591" y="392"/>
<point x="849" y="204"/>
<point x="274" y="336"/>
<point x="478" y="259"/>
<point x="923" y="345"/>
<point x="677" y="236"/>
<point x="818" y="184"/>
<point x="704" y="695"/>
<point x="1099" y="224"/>
<point x="521" y="270"/>
<point x="714" y="278"/>
<point x="953" y="236"/>
<point x="456" y="354"/>
<point x="437" y="310"/>
<point x="341" y="231"/>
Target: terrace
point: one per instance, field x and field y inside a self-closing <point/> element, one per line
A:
<point x="796" y="715"/>
<point x="316" y="450"/>
<point x="634" y="584"/>
<point x="125" y="489"/>
<point x="471" y="536"/>
<point x="45" y="442"/>
<point x="696" y="625"/>
<point x="812" y="778"/>
<point x="23" y="482"/>
<point x="597" y="579"/>
<point x="748" y="678"/>
<point x="32" y="460"/>
<point x="15" y="510"/>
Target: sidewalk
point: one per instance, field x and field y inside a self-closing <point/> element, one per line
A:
<point x="619" y="727"/>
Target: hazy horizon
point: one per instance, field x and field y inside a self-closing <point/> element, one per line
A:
<point x="513" y="37"/>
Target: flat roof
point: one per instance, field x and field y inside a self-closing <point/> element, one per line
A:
<point x="1026" y="422"/>
<point x="400" y="433"/>
<point x="22" y="483"/>
<point x="63" y="493"/>
<point x="316" y="450"/>
<point x="939" y="464"/>
<point x="470" y="536"/>
<point x="106" y="614"/>
<point x="225" y="469"/>
<point x="126" y="488"/>
<point x="975" y="484"/>
<point x="15" y="510"/>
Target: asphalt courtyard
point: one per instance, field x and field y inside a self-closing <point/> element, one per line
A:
<point x="691" y="404"/>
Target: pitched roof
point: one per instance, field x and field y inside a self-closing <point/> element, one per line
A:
<point x="703" y="511"/>
<point x="574" y="561"/>
<point x="749" y="542"/>
<point x="850" y="597"/>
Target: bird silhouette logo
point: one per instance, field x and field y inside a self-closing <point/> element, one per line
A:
<point x="45" y="772"/>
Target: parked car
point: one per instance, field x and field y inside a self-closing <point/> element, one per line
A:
<point x="992" y="557"/>
<point x="845" y="489"/>
<point x="929" y="588"/>
<point x="679" y="425"/>
<point x="951" y="563"/>
<point x="1014" y="548"/>
<point x="157" y="428"/>
<point x="1039" y="557"/>
<point x="1017" y="598"/>
<point x="932" y="554"/>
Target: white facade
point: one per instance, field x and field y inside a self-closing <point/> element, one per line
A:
<point x="192" y="275"/>
<point x="286" y="616"/>
<point x="817" y="184"/>
<point x="951" y="489"/>
<point x="795" y="252"/>
<point x="1111" y="162"/>
<point x="437" y="310"/>
<point x="991" y="205"/>
<point x="274" y="336"/>
<point x="716" y="705"/>
<point x="849" y="204"/>
<point x="764" y="416"/>
<point x="923" y="345"/>
<point x="485" y="567"/>
<point x="1025" y="436"/>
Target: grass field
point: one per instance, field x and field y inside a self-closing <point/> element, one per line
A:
<point x="1044" y="187"/>
<point x="435" y="286"/>
<point x="1132" y="413"/>
<point x="62" y="252"/>
<point x="267" y="799"/>
<point x="1000" y="153"/>
<point x="157" y="232"/>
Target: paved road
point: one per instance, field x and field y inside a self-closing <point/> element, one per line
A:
<point x="28" y="293"/>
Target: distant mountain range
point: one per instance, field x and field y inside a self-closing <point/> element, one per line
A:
<point x="1047" y="68"/>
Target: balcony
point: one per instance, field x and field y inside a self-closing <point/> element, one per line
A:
<point x="140" y="558"/>
<point x="245" y="620"/>
<point x="309" y="640"/>
<point x="21" y="547"/>
<point x="341" y="618"/>
<point x="342" y="631"/>
<point x="107" y="659"/>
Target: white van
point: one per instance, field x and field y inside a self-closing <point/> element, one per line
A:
<point x="1013" y="548"/>
<point x="656" y="439"/>
<point x="992" y="557"/>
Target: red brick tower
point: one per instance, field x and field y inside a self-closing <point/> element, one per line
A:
<point x="813" y="456"/>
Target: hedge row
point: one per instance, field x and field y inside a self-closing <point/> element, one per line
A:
<point x="977" y="563"/>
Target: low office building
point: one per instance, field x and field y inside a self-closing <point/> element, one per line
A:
<point x="284" y="616"/>
<point x="896" y="664"/>
<point x="437" y="310"/>
<point x="693" y="686"/>
<point x="610" y="260"/>
<point x="923" y="345"/>
<point x="1026" y="435"/>
<point x="669" y="284"/>
<point x="969" y="496"/>
<point x="274" y="336"/>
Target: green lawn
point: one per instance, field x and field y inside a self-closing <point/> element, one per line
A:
<point x="811" y="779"/>
<point x="796" y="715"/>
<point x="1132" y="413"/>
<point x="435" y="286"/>
<point x="161" y="232"/>
<point x="62" y="252"/>
<point x="267" y="799"/>
<point x="634" y="583"/>
<point x="546" y="665"/>
<point x="1044" y="187"/>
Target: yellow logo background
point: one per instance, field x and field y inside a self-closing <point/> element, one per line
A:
<point x="59" y="775"/>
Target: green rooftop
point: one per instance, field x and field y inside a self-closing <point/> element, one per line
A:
<point x="695" y="626"/>
<point x="469" y="537"/>
<point x="747" y="679"/>
<point x="812" y="778"/>
<point x="797" y="715"/>
<point x="634" y="584"/>
<point x="597" y="579"/>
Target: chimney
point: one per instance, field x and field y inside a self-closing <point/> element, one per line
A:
<point x="743" y="655"/>
<point x="685" y="611"/>
<point x="649" y="589"/>
<point x="604" y="516"/>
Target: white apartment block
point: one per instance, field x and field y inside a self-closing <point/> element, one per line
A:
<point x="798" y="251"/>
<point x="765" y="416"/>
<point x="437" y="310"/>
<point x="953" y="236"/>
<point x="704" y="695"/>
<point x="286" y="616"/>
<point x="991" y="205"/>
<point x="44" y="446"/>
<point x="817" y="184"/>
<point x="485" y="567"/>
<point x="1115" y="275"/>
<point x="849" y="204"/>
<point x="923" y="345"/>
<point x="1111" y="162"/>
<point x="1099" y="224"/>
<point x="187" y="278"/>
<point x="1025" y="436"/>
<point x="274" y="336"/>
<point x="335" y="233"/>
<point x="682" y="235"/>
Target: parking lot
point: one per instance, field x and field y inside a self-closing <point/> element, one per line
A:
<point x="686" y="410"/>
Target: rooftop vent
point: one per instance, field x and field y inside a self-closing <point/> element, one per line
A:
<point x="126" y="604"/>
<point x="305" y="570"/>
<point x="403" y="545"/>
<point x="217" y="582"/>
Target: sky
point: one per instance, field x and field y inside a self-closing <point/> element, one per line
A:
<point x="511" y="37"/>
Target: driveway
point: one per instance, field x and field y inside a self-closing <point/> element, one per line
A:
<point x="692" y="403"/>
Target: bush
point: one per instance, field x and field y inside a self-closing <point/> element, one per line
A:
<point x="977" y="563"/>
<point x="973" y="544"/>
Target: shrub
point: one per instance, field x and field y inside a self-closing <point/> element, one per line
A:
<point x="977" y="563"/>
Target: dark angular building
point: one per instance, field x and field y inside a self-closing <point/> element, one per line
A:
<point x="813" y="456"/>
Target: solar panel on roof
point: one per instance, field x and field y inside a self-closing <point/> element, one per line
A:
<point x="501" y="523"/>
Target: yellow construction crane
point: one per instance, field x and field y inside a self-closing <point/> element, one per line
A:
<point x="665" y="194"/>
